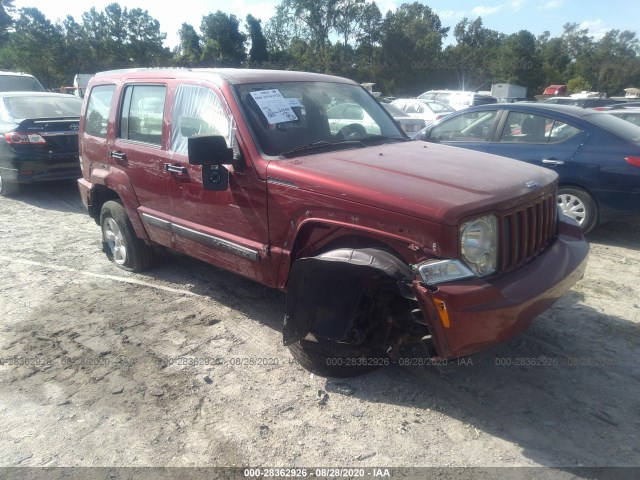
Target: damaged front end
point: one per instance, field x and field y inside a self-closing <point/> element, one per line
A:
<point x="360" y="297"/>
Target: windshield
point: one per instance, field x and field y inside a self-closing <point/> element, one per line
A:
<point x="291" y="116"/>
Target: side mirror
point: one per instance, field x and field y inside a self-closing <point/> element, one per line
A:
<point x="209" y="150"/>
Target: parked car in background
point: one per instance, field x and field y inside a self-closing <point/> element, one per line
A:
<point x="410" y="125"/>
<point x="428" y="111"/>
<point x="457" y="99"/>
<point x="623" y="105"/>
<point x="39" y="138"/>
<point x="596" y="155"/>
<point x="629" y="114"/>
<point x="19" y="82"/>
<point x="593" y="102"/>
<point x="557" y="100"/>
<point x="379" y="249"/>
<point x="555" y="90"/>
<point x="352" y="115"/>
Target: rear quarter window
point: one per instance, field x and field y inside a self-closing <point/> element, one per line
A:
<point x="616" y="126"/>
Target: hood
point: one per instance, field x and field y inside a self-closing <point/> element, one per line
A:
<point x="440" y="183"/>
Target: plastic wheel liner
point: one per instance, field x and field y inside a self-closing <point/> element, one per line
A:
<point x="323" y="292"/>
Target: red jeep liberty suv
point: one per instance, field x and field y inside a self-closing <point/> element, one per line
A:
<point x="381" y="243"/>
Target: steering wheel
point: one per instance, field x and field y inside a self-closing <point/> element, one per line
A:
<point x="353" y="131"/>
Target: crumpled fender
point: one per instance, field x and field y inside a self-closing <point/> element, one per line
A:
<point x="323" y="292"/>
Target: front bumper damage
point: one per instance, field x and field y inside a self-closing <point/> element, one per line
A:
<point x="463" y="317"/>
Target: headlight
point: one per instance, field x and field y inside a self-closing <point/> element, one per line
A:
<point x="479" y="244"/>
<point x="440" y="271"/>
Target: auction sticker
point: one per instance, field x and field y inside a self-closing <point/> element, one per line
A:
<point x="275" y="107"/>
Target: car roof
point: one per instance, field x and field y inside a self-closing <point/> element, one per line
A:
<point x="230" y="75"/>
<point x="622" y="110"/>
<point x="36" y="95"/>
<point x="536" y="107"/>
<point x="17" y="74"/>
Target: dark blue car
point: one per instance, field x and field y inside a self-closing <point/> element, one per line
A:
<point x="596" y="155"/>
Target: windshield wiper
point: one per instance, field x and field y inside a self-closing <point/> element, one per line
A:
<point x="382" y="138"/>
<point x="321" y="146"/>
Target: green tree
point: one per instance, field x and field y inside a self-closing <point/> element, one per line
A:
<point x="224" y="44"/>
<point x="319" y="17"/>
<point x="519" y="61"/>
<point x="474" y="56"/>
<point x="348" y="19"/>
<point x="555" y="59"/>
<point x="144" y="40"/>
<point x="189" y="52"/>
<point x="37" y="46"/>
<point x="122" y="38"/>
<point x="578" y="84"/>
<point x="258" y="52"/>
<point x="411" y="41"/>
<point x="615" y="61"/>
<point x="78" y="59"/>
<point x="6" y="21"/>
<point x="368" y="38"/>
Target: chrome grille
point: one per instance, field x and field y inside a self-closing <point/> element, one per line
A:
<point x="526" y="232"/>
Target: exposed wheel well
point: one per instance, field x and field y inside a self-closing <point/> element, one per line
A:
<point x="99" y="197"/>
<point x="317" y="238"/>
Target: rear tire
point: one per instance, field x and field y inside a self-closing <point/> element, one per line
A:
<point x="577" y="204"/>
<point x="121" y="244"/>
<point x="8" y="189"/>
<point x="339" y="360"/>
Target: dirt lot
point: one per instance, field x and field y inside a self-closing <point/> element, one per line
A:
<point x="184" y="366"/>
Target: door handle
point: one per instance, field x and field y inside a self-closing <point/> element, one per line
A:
<point x="552" y="161"/>
<point x="117" y="155"/>
<point x="167" y="167"/>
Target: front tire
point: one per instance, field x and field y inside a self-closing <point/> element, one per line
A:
<point x="121" y="244"/>
<point x="577" y="204"/>
<point x="338" y="360"/>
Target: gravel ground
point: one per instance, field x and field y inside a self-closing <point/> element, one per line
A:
<point x="183" y="366"/>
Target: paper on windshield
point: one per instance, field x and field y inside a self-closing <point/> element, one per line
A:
<point x="275" y="107"/>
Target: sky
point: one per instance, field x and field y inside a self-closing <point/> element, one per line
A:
<point x="505" y="16"/>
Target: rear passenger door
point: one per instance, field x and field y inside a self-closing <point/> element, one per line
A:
<point x="138" y="149"/>
<point x="541" y="140"/>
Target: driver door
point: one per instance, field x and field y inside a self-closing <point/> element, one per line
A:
<point x="472" y="130"/>
<point x="222" y="224"/>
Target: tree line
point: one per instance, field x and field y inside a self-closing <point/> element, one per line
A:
<point x="404" y="51"/>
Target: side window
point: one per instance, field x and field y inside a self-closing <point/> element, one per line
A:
<point x="197" y="111"/>
<point x="98" y="107"/>
<point x="468" y="127"/>
<point x="142" y="113"/>
<point x="560" y="131"/>
<point x="525" y="128"/>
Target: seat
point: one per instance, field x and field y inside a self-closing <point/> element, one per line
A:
<point x="532" y="130"/>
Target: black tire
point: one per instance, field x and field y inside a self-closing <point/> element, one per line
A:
<point x="339" y="360"/>
<point x="576" y="203"/>
<point x="8" y="188"/>
<point x="121" y="244"/>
